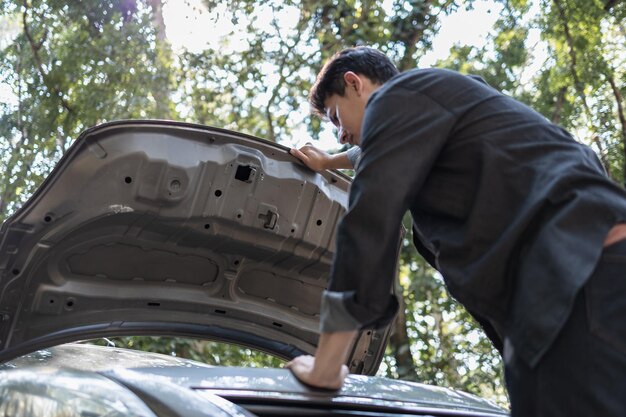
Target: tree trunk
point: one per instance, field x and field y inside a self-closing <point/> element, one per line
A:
<point x="603" y="155"/>
<point x="157" y="19"/>
<point x="558" y="106"/>
<point x="8" y="187"/>
<point x="161" y="93"/>
<point x="578" y="85"/>
<point x="35" y="47"/>
<point x="622" y="118"/>
<point x="418" y="14"/>
<point x="400" y="343"/>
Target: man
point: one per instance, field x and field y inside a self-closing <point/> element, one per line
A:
<point x="519" y="218"/>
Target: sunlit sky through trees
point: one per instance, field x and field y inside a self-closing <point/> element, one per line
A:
<point x="191" y="26"/>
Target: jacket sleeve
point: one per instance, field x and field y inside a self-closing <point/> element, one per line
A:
<point x="403" y="133"/>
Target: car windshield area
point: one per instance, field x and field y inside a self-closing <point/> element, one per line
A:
<point x="205" y="351"/>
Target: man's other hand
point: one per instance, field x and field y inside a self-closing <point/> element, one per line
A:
<point x="314" y="158"/>
<point x="318" y="160"/>
<point x="303" y="367"/>
<point x="327" y="368"/>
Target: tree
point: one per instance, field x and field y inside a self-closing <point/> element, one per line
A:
<point x="70" y="68"/>
<point x="580" y="85"/>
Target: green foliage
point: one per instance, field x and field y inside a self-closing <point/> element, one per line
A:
<point x="212" y="353"/>
<point x="258" y="89"/>
<point x="70" y="68"/>
<point x="503" y="59"/>
<point x="582" y="40"/>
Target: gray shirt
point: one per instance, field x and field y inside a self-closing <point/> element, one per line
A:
<point x="354" y="155"/>
<point x="507" y="206"/>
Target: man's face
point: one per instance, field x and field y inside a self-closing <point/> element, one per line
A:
<point x="346" y="112"/>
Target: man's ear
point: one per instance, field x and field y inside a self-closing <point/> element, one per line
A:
<point x="353" y="81"/>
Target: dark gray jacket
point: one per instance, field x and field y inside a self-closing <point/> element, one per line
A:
<point x="506" y="205"/>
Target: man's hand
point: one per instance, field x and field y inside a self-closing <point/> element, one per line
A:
<point x="314" y="158"/>
<point x="318" y="160"/>
<point x="303" y="367"/>
<point x="326" y="369"/>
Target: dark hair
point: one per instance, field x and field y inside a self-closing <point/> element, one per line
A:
<point x="363" y="60"/>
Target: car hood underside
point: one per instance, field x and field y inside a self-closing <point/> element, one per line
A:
<point x="165" y="228"/>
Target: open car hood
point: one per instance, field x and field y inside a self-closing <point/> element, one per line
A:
<point x="166" y="228"/>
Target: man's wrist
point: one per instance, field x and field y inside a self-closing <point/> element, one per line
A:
<point x="327" y="377"/>
<point x="332" y="352"/>
<point x="338" y="161"/>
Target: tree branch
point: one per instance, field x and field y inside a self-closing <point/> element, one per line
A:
<point x="35" y="48"/>
<point x="399" y="341"/>
<point x="609" y="5"/>
<point x="8" y="190"/>
<point x="603" y="156"/>
<point x="410" y="39"/>
<point x="558" y="106"/>
<point x="572" y="53"/>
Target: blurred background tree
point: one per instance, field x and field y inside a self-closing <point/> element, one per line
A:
<point x="65" y="66"/>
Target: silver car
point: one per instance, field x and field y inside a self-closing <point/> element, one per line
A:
<point x="174" y="229"/>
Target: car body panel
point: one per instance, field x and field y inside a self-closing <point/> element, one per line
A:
<point x="159" y="378"/>
<point x="52" y="392"/>
<point x="167" y="228"/>
<point x="85" y="356"/>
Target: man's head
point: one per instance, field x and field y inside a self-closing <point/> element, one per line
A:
<point x="344" y="85"/>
